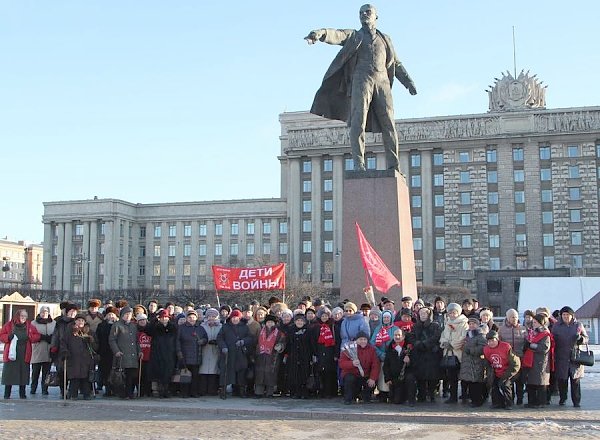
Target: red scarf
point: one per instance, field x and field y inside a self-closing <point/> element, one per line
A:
<point x="406" y="326"/>
<point x="527" y="361"/>
<point x="383" y="335"/>
<point x="325" y="336"/>
<point x="267" y="342"/>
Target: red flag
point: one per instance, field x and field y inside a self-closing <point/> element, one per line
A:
<point x="381" y="276"/>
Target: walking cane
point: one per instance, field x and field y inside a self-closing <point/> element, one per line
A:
<point x="65" y="380"/>
<point x="140" y="379"/>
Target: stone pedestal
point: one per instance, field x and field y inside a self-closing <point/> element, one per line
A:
<point x="379" y="201"/>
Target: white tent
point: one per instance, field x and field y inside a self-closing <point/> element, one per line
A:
<point x="556" y="292"/>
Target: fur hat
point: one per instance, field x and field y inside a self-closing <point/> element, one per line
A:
<point x="406" y="298"/>
<point x="473" y="319"/>
<point x="80" y="316"/>
<point x="492" y="334"/>
<point x="140" y="317"/>
<point x="362" y="335"/>
<point x="270" y="317"/>
<point x="300" y="315"/>
<point x="567" y="309"/>
<point x="235" y="314"/>
<point x="323" y="311"/>
<point x="191" y="312"/>
<point x="274" y="300"/>
<point x="439" y="298"/>
<point x="121" y="303"/>
<point x="111" y="309"/>
<point x="487" y="312"/>
<point x="350" y="306"/>
<point x="94" y="303"/>
<point x="225" y="307"/>
<point x="336" y="310"/>
<point x="544" y="310"/>
<point x="70" y="307"/>
<point x="511" y="312"/>
<point x="454" y="306"/>
<point x="365" y="306"/>
<point x="124" y="310"/>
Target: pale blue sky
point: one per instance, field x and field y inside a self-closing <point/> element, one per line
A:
<point x="158" y="101"/>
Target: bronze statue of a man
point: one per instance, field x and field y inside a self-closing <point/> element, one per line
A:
<point x="357" y="87"/>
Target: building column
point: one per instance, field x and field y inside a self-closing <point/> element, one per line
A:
<point x="338" y="192"/>
<point x="93" y="257"/>
<point x="60" y="256"/>
<point x="109" y="255"/>
<point x="428" y="263"/>
<point x="68" y="257"/>
<point x="47" y="262"/>
<point x="294" y="207"/>
<point x="317" y="220"/>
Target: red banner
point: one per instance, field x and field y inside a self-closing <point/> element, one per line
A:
<point x="383" y="278"/>
<point x="249" y="278"/>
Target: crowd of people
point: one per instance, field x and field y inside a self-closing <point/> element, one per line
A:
<point x="406" y="354"/>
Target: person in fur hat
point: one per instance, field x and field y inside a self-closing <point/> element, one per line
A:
<point x="322" y="340"/>
<point x="92" y="316"/>
<point x="78" y="347"/>
<point x="299" y="358"/>
<point x="271" y="343"/>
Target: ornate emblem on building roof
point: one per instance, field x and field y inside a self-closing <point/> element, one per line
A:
<point x="521" y="93"/>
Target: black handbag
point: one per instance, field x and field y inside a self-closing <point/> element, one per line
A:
<point x="116" y="379"/>
<point x="53" y="378"/>
<point x="582" y="357"/>
<point x="450" y="361"/>
<point x="182" y="376"/>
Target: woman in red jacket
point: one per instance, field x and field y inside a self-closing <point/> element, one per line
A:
<point x="16" y="372"/>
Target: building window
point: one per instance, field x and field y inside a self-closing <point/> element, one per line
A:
<point x="438" y="200"/>
<point x="327" y="165"/>
<point x="465" y="198"/>
<point x="544" y="153"/>
<point x="202" y="230"/>
<point x="306" y="206"/>
<point x="157" y="250"/>
<point x="416" y="201"/>
<point x="548" y="262"/>
<point x="574" y="171"/>
<point x="306" y="267"/>
<point x="440" y="265"/>
<point x="156" y="271"/>
<point x="521" y="240"/>
<point x="417" y="243"/>
<point x="494" y="241"/>
<point x="266" y="228"/>
<point x="234" y="248"/>
<point x="283" y="248"/>
<point x="438" y="180"/>
<point x="415" y="160"/>
<point x="466" y="263"/>
<point x="235" y="228"/>
<point x="218" y="249"/>
<point x="187" y="270"/>
<point x="283" y="227"/>
<point x="327" y="205"/>
<point x="306" y="226"/>
<point x="438" y="159"/>
<point x="548" y="239"/>
<point x="465" y="241"/>
<point x="577" y="261"/>
<point x="266" y="248"/>
<point x="306" y="166"/>
<point x="142" y="251"/>
<point x="157" y="231"/>
<point x="328" y="246"/>
<point x="187" y="250"/>
<point x="520" y="218"/>
<point x="101" y="252"/>
<point x="493" y="219"/>
<point x="465" y="219"/>
<point x="492" y="176"/>
<point x="202" y="250"/>
<point x="371" y="163"/>
<point x="416" y="222"/>
<point x="142" y="230"/>
<point x="415" y="181"/>
<point x="520" y="196"/>
<point x="348" y="164"/>
<point x="547" y="195"/>
<point x="573" y="151"/>
<point x="250" y="248"/>
<point x="575" y="215"/>
<point x="172" y="250"/>
<point x="518" y="154"/>
<point x="250" y="228"/>
<point x="171" y="270"/>
<point x="576" y="238"/>
<point x="519" y="175"/>
<point x="494" y="263"/>
<point x="306" y="186"/>
<point x="439" y="221"/>
<point x="465" y="177"/>
<point x="307" y="246"/>
<point x="547" y="217"/>
<point x="78" y="230"/>
<point x="545" y="174"/>
<point x="172" y="230"/>
<point x="187" y="230"/>
<point x="440" y="243"/>
<point x="328" y="225"/>
<point x="218" y="228"/>
<point x="464" y="156"/>
<point x="574" y="193"/>
<point x="142" y="270"/>
<point x="491" y="156"/>
<point x="327" y="185"/>
<point x="521" y="262"/>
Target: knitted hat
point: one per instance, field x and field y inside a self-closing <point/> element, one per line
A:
<point x="350" y="306"/>
<point x="164" y="313"/>
<point x="511" y="312"/>
<point x="141" y="317"/>
<point x="439" y="298"/>
<point x="454" y="306"/>
<point x="406" y="298"/>
<point x="235" y="314"/>
<point x="124" y="310"/>
<point x="212" y="312"/>
<point x="191" y="312"/>
<point x="80" y="316"/>
<point x="567" y="309"/>
<point x="362" y="335"/>
<point x="388" y="313"/>
<point x="492" y="334"/>
<point x="336" y="310"/>
<point x="323" y="311"/>
<point x="473" y="319"/>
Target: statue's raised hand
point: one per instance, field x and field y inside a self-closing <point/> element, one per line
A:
<point x="314" y="36"/>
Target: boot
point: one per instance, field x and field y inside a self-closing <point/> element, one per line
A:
<point x="44" y="390"/>
<point x="33" y="388"/>
<point x="7" y="390"/>
<point x="223" y="393"/>
<point x="243" y="393"/>
<point x="22" y="394"/>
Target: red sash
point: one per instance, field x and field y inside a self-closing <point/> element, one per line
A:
<point x="325" y="336"/>
<point x="527" y="360"/>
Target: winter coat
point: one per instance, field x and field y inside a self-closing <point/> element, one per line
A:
<point x="266" y="366"/>
<point x="440" y="317"/>
<point x="8" y="330"/>
<point x="190" y="340"/>
<point x="104" y="351"/>
<point x="565" y="339"/>
<point x="93" y="321"/>
<point x="123" y="338"/>
<point x="473" y="365"/>
<point x="210" y="351"/>
<point x="515" y="336"/>
<point x="351" y="326"/>
<point x="394" y="362"/>
<point x="453" y="336"/>
<point x="62" y="323"/>
<point x="427" y="352"/>
<point x="381" y="350"/>
<point x="163" y="353"/>
<point x="368" y="361"/>
<point x="17" y="372"/>
<point x="325" y="356"/>
<point x="78" y="349"/>
<point x="236" y="358"/>
<point x="299" y="357"/>
<point x="41" y="350"/>
<point x="539" y="372"/>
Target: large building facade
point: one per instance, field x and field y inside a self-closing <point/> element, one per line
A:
<point x="493" y="195"/>
<point x="22" y="265"/>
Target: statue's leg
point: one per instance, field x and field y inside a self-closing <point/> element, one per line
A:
<point x="362" y="93"/>
<point x="384" y="110"/>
